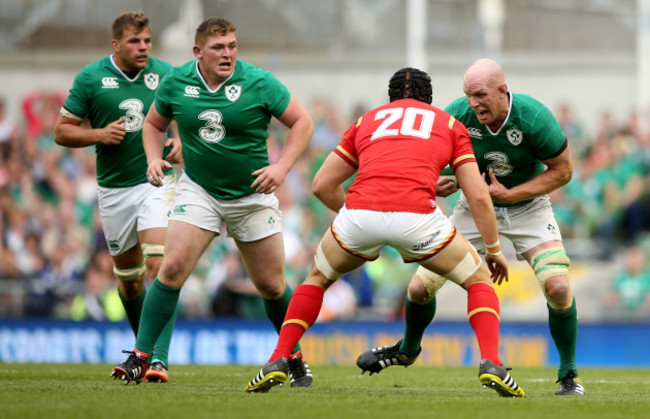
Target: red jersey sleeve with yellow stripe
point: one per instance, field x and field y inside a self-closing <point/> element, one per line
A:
<point x="347" y="149"/>
<point x="462" y="151"/>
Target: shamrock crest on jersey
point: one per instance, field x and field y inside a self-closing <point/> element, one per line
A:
<point x="151" y="80"/>
<point x="233" y="92"/>
<point x="515" y="136"/>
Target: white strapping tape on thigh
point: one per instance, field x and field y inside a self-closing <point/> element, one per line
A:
<point x="324" y="266"/>
<point x="548" y="263"/>
<point x="152" y="250"/>
<point x="129" y="275"/>
<point x="465" y="268"/>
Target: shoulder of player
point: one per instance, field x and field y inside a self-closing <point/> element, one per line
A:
<point x="526" y="103"/>
<point x="102" y="63"/>
<point x="460" y="110"/>
<point x="246" y="67"/>
<point x="250" y="72"/>
<point x="158" y="65"/>
<point x="97" y="69"/>
<point x="458" y="107"/>
<point x="187" y="69"/>
<point x="527" y="109"/>
<point x="444" y="118"/>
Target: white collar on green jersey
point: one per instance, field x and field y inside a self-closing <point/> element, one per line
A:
<point x="205" y="83"/>
<point x="505" y="121"/>
<point x="123" y="73"/>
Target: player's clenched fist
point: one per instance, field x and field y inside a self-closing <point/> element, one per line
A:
<point x="114" y="132"/>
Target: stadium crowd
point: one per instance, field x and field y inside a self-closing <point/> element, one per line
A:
<point x="54" y="261"/>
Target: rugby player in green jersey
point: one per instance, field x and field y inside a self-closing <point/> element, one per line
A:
<point x="114" y="95"/>
<point x="223" y="107"/>
<point x="523" y="155"/>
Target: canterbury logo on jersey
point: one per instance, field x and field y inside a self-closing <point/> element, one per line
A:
<point x="110" y="83"/>
<point x="191" y="91"/>
<point x="475" y="133"/>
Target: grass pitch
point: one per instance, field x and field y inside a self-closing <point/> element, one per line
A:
<point x="86" y="391"/>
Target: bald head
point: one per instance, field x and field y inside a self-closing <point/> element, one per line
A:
<point x="487" y="93"/>
<point x="486" y="71"/>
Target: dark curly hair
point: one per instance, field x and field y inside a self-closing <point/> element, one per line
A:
<point x="410" y="83"/>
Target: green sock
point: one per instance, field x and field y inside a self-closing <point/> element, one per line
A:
<point x="161" y="348"/>
<point x="276" y="310"/>
<point x="564" y="330"/>
<point x="158" y="309"/>
<point x="133" y="309"/>
<point x="417" y="317"/>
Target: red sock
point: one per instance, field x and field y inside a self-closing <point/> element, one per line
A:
<point x="483" y="316"/>
<point x="302" y="313"/>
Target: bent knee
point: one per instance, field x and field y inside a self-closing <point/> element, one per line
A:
<point x="425" y="285"/>
<point x="417" y="291"/>
<point x="171" y="271"/>
<point x="557" y="288"/>
<point x="271" y="290"/>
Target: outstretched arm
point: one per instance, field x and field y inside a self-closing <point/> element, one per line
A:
<point x="480" y="204"/>
<point x="327" y="182"/>
<point x="301" y="128"/>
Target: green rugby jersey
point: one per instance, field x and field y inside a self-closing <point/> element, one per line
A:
<point x="103" y="93"/>
<point x="223" y="131"/>
<point x="529" y="134"/>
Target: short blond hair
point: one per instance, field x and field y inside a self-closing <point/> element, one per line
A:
<point x="213" y="26"/>
<point x="127" y="20"/>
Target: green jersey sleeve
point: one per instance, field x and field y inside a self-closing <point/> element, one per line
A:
<point x="162" y="97"/>
<point x="550" y="140"/>
<point x="79" y="100"/>
<point x="276" y="96"/>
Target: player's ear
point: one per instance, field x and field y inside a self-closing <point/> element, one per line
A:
<point x="197" y="51"/>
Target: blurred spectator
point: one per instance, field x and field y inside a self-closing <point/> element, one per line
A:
<point x="328" y="128"/>
<point x="236" y="296"/>
<point x="606" y="125"/>
<point x="100" y="299"/>
<point x="357" y="112"/>
<point x="61" y="280"/>
<point x="339" y="302"/>
<point x="30" y="260"/>
<point x="8" y="130"/>
<point x="41" y="110"/>
<point x="629" y="294"/>
<point x="572" y="128"/>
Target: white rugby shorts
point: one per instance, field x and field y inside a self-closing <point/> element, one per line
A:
<point x="248" y="219"/>
<point x="125" y="211"/>
<point x="415" y="236"/>
<point x="526" y="226"/>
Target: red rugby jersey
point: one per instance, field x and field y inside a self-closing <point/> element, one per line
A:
<point x="399" y="150"/>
